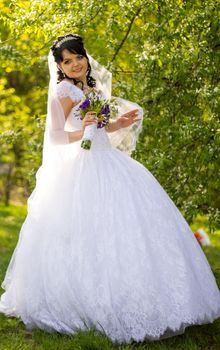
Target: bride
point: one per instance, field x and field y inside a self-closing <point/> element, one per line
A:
<point x="102" y="245"/>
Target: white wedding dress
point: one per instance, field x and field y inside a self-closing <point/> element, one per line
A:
<point x="104" y="246"/>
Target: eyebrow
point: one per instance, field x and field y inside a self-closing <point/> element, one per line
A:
<point x="68" y="58"/>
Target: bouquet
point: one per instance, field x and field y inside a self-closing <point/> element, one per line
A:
<point x="95" y="102"/>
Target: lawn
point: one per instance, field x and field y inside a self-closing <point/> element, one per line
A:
<point x="14" y="336"/>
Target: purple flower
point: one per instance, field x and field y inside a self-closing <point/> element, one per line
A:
<point x="100" y="125"/>
<point x="85" y="104"/>
<point x="105" y="110"/>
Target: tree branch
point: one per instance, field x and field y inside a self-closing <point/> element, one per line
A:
<point x="126" y="34"/>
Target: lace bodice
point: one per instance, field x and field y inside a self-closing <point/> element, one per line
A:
<point x="67" y="89"/>
<point x="73" y="122"/>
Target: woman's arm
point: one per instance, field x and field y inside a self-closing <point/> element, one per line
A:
<point x="123" y="121"/>
<point x="75" y="135"/>
<point x="67" y="104"/>
<point x="112" y="126"/>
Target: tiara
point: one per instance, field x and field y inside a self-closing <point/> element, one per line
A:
<point x="64" y="40"/>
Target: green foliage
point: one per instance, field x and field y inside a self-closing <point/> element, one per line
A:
<point x="164" y="55"/>
<point x="20" y="140"/>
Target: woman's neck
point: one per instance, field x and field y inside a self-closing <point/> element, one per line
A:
<point x="82" y="84"/>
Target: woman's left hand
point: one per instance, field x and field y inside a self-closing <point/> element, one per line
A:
<point x="128" y="118"/>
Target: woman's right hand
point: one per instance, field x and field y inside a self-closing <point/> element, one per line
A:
<point x="89" y="119"/>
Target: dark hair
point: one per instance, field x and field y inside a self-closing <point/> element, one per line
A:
<point x="74" y="44"/>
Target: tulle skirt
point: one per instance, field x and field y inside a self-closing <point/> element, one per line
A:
<point x="104" y="246"/>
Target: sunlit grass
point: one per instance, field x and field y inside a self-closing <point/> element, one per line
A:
<point x="14" y="336"/>
<point x="213" y="251"/>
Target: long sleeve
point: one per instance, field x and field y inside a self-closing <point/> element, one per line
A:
<point x="56" y="120"/>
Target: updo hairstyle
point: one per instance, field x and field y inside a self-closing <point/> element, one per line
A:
<point x="74" y="44"/>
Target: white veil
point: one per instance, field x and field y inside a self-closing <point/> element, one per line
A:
<point x="124" y="139"/>
<point x="56" y="143"/>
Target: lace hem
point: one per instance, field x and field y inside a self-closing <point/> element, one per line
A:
<point x="141" y="332"/>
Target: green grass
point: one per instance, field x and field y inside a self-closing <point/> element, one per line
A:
<point x="14" y="336"/>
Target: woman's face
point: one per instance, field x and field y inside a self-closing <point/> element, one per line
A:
<point x="74" y="65"/>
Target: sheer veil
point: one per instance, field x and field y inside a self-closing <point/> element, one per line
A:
<point x="125" y="139"/>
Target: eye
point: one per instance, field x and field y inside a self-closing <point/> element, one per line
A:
<point x="80" y="57"/>
<point x="66" y="61"/>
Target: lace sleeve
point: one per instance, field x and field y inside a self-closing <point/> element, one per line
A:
<point x="66" y="89"/>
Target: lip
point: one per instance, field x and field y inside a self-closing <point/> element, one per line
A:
<point x="77" y="70"/>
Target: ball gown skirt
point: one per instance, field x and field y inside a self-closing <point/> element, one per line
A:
<point x="104" y="246"/>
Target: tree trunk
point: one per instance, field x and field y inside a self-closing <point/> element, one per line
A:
<point x="8" y="184"/>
